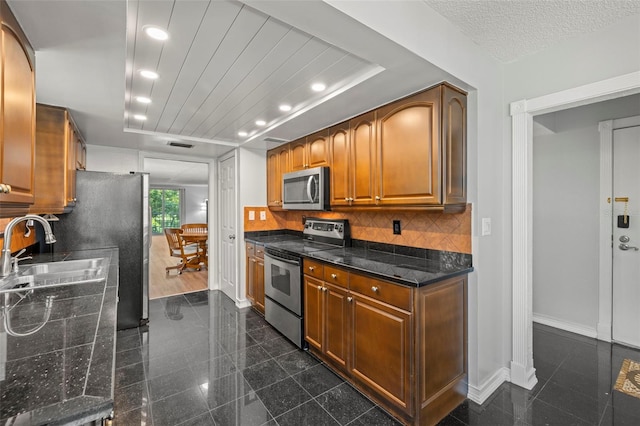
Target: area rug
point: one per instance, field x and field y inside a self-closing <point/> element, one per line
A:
<point x="629" y="378"/>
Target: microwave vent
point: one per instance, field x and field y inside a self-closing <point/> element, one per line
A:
<point x="180" y="144"/>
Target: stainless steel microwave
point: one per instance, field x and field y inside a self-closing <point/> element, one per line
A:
<point x="306" y="189"/>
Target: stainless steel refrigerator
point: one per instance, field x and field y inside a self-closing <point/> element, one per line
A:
<point x="112" y="210"/>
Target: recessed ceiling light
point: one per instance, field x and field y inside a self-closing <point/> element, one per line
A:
<point x="260" y="122"/>
<point x="285" y="107"/>
<point x="152" y="75"/>
<point x="318" y="87"/>
<point x="242" y="134"/>
<point x="143" y="99"/>
<point x="140" y="117"/>
<point x="156" y="33"/>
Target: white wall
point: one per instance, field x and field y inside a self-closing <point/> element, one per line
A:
<point x="194" y="196"/>
<point x="108" y="159"/>
<point x="566" y="178"/>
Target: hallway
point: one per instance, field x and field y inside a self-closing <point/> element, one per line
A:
<point x="204" y="362"/>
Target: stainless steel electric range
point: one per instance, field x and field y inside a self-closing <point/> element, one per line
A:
<point x="283" y="273"/>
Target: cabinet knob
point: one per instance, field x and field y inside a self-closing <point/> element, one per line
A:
<point x="347" y="199"/>
<point x="324" y="289"/>
<point x="374" y="289"/>
<point x="349" y="299"/>
<point x="320" y="287"/>
<point x="3" y="188"/>
<point x="377" y="198"/>
<point x="334" y="276"/>
<point x="259" y="251"/>
<point x="350" y="198"/>
<point x="8" y="188"/>
<point x="249" y="248"/>
<point x="312" y="268"/>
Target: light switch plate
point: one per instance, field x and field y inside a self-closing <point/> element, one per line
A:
<point x="263" y="215"/>
<point x="252" y="215"/>
<point x="486" y="226"/>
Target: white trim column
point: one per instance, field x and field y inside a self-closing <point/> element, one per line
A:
<point x="522" y="371"/>
<point x="606" y="266"/>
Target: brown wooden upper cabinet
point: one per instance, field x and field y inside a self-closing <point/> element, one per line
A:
<point x="352" y="148"/>
<point x="421" y="150"/>
<point x="277" y="165"/>
<point x="59" y="153"/>
<point x="17" y="138"/>
<point x="410" y="153"/>
<point x="311" y="151"/>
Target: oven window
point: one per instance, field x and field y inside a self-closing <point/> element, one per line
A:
<point x="281" y="279"/>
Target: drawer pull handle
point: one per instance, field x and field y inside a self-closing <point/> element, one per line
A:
<point x="334" y="276"/>
<point x="374" y="289"/>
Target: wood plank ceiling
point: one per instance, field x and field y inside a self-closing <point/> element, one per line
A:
<point x="224" y="66"/>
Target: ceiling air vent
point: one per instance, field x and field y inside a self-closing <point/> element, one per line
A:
<point x="276" y="140"/>
<point x="180" y="144"/>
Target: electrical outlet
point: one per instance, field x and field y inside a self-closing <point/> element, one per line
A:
<point x="252" y="215"/>
<point x="263" y="215"/>
<point x="396" y="227"/>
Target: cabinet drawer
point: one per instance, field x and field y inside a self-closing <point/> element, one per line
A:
<point x="313" y="268"/>
<point x="250" y="248"/>
<point x="259" y="251"/>
<point x="387" y="292"/>
<point x="336" y="276"/>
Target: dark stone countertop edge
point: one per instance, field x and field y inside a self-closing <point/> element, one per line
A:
<point x="85" y="408"/>
<point x="420" y="254"/>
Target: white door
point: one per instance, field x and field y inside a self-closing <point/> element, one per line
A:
<point x="626" y="241"/>
<point x="227" y="192"/>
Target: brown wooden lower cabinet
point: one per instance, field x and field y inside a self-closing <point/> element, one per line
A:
<point x="405" y="347"/>
<point x="255" y="275"/>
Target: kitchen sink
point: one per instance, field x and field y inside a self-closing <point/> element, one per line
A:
<point x="56" y="274"/>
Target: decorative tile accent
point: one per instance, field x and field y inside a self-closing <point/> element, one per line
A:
<point x="436" y="231"/>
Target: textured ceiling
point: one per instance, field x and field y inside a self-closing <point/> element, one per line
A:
<point x="510" y="29"/>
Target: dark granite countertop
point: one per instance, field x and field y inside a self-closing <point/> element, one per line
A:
<point x="62" y="373"/>
<point x="409" y="266"/>
<point x="406" y="270"/>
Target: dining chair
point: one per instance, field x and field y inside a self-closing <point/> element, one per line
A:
<point x="177" y="248"/>
<point x="199" y="228"/>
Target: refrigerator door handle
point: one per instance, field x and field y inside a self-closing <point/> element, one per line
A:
<point x="150" y="227"/>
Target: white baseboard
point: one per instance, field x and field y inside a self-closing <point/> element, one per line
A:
<point x="243" y="303"/>
<point x="489" y="386"/>
<point x="565" y="325"/>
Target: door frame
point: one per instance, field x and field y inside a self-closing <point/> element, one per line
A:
<point x="521" y="366"/>
<point x="212" y="189"/>
<point x="605" y="292"/>
<point x="227" y="156"/>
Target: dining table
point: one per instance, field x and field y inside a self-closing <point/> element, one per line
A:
<point x="199" y="238"/>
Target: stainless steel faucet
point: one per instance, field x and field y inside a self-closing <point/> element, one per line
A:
<point x="5" y="260"/>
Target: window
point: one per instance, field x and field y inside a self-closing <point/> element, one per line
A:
<point x="165" y="208"/>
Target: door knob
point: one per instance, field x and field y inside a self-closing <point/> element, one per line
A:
<point x="626" y="247"/>
<point x="232" y="237"/>
<point x="624" y="238"/>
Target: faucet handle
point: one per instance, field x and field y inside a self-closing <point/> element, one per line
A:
<point x="15" y="259"/>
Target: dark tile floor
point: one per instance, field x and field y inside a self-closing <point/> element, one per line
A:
<point x="204" y="362"/>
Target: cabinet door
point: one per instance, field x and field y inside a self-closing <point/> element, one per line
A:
<point x="72" y="137"/>
<point x="454" y="137"/>
<point x="313" y="312"/>
<point x="298" y="154"/>
<point x="318" y="149"/>
<point x="408" y="151"/>
<point x="251" y="277"/>
<point x="381" y="347"/>
<point x="277" y="164"/>
<point x="259" y="285"/>
<point x="339" y="171"/>
<point x="336" y="323"/>
<point x="362" y="158"/>
<point x="18" y="118"/>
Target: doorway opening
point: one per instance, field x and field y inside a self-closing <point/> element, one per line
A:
<point x="179" y="198"/>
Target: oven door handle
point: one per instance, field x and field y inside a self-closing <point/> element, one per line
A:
<point x="278" y="259"/>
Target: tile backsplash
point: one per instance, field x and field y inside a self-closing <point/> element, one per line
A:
<point x="436" y="231"/>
